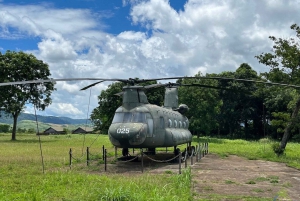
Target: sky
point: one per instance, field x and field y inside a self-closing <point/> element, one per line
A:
<point x="139" y="38"/>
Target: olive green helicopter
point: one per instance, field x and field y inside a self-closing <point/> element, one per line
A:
<point x="139" y="124"/>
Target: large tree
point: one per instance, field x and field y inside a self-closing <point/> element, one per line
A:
<point x="19" y="66"/>
<point x="284" y="63"/>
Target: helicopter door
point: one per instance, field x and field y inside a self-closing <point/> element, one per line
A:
<point x="149" y="120"/>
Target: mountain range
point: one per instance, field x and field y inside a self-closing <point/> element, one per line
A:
<point x="7" y="119"/>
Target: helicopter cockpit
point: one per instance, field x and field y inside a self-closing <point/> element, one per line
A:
<point x="126" y="117"/>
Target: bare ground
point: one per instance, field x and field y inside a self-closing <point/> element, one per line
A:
<point x="236" y="178"/>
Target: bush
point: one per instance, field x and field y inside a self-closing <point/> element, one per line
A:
<point x="277" y="149"/>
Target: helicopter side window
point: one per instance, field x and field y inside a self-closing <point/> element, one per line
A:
<point x="184" y="125"/>
<point x="161" y="122"/>
<point x="180" y="124"/>
<point x="150" y="124"/>
<point x="170" y="123"/>
<point x="175" y="123"/>
<point x="118" y="118"/>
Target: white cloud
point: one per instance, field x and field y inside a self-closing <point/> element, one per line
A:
<point x="207" y="36"/>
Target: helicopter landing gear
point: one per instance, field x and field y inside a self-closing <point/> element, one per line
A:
<point x="125" y="152"/>
<point x="176" y="151"/>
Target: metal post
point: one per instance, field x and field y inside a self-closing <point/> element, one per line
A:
<point x="133" y="150"/>
<point x="192" y="153"/>
<point x="185" y="162"/>
<point x="207" y="147"/>
<point x="197" y="153"/>
<point x="179" y="158"/>
<point x="203" y="151"/>
<point x="142" y="158"/>
<point x="116" y="152"/>
<point x="70" y="154"/>
<point x="105" y="160"/>
<point x="87" y="156"/>
<point x="200" y="152"/>
<point x="103" y="152"/>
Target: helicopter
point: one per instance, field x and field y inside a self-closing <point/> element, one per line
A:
<point x="139" y="124"/>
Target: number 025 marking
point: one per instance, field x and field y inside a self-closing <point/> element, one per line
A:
<point x="123" y="130"/>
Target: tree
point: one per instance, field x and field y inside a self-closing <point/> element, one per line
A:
<point x="19" y="66"/>
<point x="284" y="63"/>
<point x="203" y="103"/>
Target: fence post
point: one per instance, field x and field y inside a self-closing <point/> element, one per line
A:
<point x="103" y="152"/>
<point x="197" y="153"/>
<point x="70" y="154"/>
<point x="179" y="158"/>
<point x="142" y="158"/>
<point x="207" y="147"/>
<point x="87" y="156"/>
<point x="105" y="160"/>
<point x="203" y="151"/>
<point x="185" y="157"/>
<point x="192" y="153"/>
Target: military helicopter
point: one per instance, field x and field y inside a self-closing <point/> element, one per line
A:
<point x="139" y="124"/>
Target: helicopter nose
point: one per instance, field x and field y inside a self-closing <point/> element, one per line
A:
<point x="125" y="131"/>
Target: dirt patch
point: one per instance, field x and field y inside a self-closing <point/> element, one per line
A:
<point x="236" y="178"/>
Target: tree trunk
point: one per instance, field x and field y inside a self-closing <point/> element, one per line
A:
<point x="14" y="129"/>
<point x="287" y="131"/>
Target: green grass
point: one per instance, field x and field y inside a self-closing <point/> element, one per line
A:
<point x="22" y="177"/>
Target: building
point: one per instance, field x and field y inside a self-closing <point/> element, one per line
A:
<point x="82" y="130"/>
<point x="54" y="130"/>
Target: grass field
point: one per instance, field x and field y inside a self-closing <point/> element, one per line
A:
<point x="22" y="176"/>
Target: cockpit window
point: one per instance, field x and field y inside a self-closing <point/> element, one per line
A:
<point x="138" y="117"/>
<point x="126" y="117"/>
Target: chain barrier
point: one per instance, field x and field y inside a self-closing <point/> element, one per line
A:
<point x="161" y="161"/>
<point x="130" y="159"/>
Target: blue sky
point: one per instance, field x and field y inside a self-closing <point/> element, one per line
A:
<point x="139" y="38"/>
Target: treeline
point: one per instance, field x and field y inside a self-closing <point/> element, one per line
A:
<point x="239" y="109"/>
<point x="6" y="128"/>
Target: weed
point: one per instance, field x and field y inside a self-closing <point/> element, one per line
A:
<point x="251" y="182"/>
<point x="229" y="182"/>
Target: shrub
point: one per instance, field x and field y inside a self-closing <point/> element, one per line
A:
<point x="277" y="149"/>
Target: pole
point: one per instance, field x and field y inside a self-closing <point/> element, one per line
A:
<point x="142" y="158"/>
<point x="87" y="156"/>
<point x="103" y="152"/>
<point x="179" y="158"/>
<point x="70" y="154"/>
<point x="105" y="160"/>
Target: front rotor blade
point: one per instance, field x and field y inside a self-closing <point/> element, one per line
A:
<point x="91" y="85"/>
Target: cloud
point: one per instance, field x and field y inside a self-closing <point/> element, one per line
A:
<point x="207" y="36"/>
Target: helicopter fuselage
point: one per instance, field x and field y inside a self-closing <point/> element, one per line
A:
<point x="148" y="126"/>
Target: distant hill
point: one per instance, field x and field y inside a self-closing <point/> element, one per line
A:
<point x="44" y="119"/>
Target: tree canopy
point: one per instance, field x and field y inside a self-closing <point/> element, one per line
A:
<point x="284" y="63"/>
<point x="20" y="66"/>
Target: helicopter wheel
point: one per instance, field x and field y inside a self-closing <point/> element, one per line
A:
<point x="125" y="152"/>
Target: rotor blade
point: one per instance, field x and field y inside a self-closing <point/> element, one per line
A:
<point x="91" y="85"/>
<point x="223" y="78"/>
<point x="204" y="86"/>
<point x="52" y="80"/>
